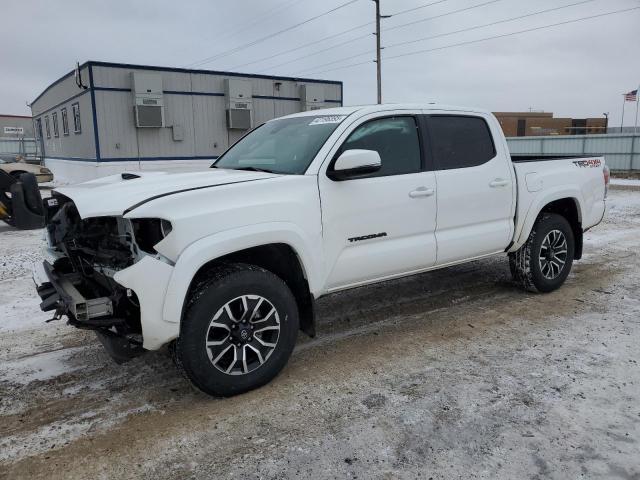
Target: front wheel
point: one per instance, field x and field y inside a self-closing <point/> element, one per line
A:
<point x="239" y="330"/>
<point x="543" y="263"/>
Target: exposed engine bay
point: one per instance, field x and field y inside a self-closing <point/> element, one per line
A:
<point x="84" y="255"/>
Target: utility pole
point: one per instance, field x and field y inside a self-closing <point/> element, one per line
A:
<point x="379" y="48"/>
<point x="378" y="56"/>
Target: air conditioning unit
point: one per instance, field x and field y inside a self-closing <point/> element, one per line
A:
<point x="311" y="96"/>
<point x="148" y="99"/>
<point x="239" y="103"/>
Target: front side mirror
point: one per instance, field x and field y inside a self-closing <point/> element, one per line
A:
<point x="355" y="163"/>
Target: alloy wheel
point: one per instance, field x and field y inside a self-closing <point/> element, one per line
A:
<point x="553" y="254"/>
<point x="243" y="334"/>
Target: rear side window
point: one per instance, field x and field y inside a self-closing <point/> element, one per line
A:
<point x="460" y="142"/>
<point x="395" y="139"/>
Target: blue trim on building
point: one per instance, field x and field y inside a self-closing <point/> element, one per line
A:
<point x="62" y="103"/>
<point x="75" y="159"/>
<point x="185" y="70"/>
<point x="135" y="159"/>
<point x="208" y="94"/>
<point x="210" y="72"/>
<point x="111" y="89"/>
<point x="94" y="114"/>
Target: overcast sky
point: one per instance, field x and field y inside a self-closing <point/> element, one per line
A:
<point x="578" y="69"/>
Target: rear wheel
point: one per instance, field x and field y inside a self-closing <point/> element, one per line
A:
<point x="239" y="330"/>
<point x="543" y="263"/>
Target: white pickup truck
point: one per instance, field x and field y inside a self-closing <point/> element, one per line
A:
<point x="225" y="265"/>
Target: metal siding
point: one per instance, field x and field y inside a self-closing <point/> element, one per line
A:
<point x="74" y="145"/>
<point x="202" y="116"/>
<point x="158" y="142"/>
<point x="621" y="151"/>
<point x="263" y="110"/>
<point x="116" y="124"/>
<point x="210" y="126"/>
<point x="59" y="92"/>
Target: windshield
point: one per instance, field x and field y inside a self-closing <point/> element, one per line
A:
<point x="286" y="146"/>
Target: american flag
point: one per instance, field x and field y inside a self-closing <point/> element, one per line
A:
<point x="632" y="96"/>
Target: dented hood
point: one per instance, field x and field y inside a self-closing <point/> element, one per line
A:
<point x="113" y="195"/>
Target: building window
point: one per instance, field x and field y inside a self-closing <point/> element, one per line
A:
<point x="65" y="121"/>
<point x="46" y="126"/>
<point x="77" y="128"/>
<point x="54" y="118"/>
<point x="39" y="128"/>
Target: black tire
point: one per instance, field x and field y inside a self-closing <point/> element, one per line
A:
<point x="226" y="284"/>
<point x="526" y="264"/>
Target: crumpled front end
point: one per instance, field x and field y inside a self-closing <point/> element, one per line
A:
<point x="103" y="274"/>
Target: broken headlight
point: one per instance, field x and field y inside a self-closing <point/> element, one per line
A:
<point x="149" y="232"/>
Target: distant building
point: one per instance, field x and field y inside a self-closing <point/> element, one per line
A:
<point x="525" y="124"/>
<point x="16" y="126"/>
<point x="106" y="118"/>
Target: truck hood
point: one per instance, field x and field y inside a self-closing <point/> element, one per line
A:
<point x="117" y="194"/>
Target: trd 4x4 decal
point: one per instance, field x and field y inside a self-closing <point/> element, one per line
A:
<point x="592" y="163"/>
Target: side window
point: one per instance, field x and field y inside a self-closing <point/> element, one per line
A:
<point x="65" y="121"/>
<point x="460" y="142"/>
<point x="395" y="139"/>
<point x="54" y="119"/>
<point x="77" y="128"/>
<point x="46" y="126"/>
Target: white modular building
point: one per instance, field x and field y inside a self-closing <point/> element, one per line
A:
<point x="104" y="118"/>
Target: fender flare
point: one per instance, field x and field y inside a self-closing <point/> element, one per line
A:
<point x="541" y="201"/>
<point x="226" y="242"/>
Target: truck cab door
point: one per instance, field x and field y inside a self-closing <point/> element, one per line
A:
<point x="381" y="224"/>
<point x="476" y="186"/>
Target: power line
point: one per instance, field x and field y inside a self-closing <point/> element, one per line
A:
<point x="335" y="35"/>
<point x="261" y="18"/>
<point x="255" y="42"/>
<point x="319" y="51"/>
<point x="395" y="27"/>
<point x="417" y="8"/>
<point x="488" y="24"/>
<point x="306" y="45"/>
<point x="399" y="26"/>
<point x="417" y="52"/>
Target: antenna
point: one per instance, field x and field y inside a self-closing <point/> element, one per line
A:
<point x="78" y="77"/>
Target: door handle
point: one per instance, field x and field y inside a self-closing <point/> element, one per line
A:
<point x="499" y="182"/>
<point x="422" y="192"/>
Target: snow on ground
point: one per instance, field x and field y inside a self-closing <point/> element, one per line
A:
<point x="442" y="374"/>
<point x="632" y="182"/>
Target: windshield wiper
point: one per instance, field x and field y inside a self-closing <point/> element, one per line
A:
<point x="255" y="169"/>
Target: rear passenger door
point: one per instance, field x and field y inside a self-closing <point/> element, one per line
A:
<point x="475" y="187"/>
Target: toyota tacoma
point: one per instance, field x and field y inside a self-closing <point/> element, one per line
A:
<point x="225" y="265"/>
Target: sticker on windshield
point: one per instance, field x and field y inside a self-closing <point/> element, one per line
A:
<point x="327" y="119"/>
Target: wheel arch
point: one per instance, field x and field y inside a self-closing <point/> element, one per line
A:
<point x="277" y="247"/>
<point x="565" y="203"/>
<point x="281" y="260"/>
<point x="568" y="208"/>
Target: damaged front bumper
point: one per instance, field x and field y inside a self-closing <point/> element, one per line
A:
<point x="144" y="284"/>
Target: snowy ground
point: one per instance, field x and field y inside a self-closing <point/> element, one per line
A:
<point x="450" y="374"/>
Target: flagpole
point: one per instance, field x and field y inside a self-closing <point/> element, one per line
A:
<point x="624" y="101"/>
<point x="635" y="127"/>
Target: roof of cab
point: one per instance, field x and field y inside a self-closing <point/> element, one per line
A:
<point x="364" y="109"/>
